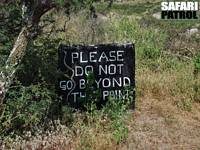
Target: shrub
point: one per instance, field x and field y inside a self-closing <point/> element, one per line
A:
<point x="197" y="78"/>
<point x="26" y="108"/>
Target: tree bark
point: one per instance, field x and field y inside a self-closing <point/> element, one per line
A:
<point x="32" y="11"/>
<point x="13" y="61"/>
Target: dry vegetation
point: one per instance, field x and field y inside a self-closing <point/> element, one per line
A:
<point x="167" y="115"/>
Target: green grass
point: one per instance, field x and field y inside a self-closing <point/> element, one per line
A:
<point x="128" y="9"/>
<point x="159" y="76"/>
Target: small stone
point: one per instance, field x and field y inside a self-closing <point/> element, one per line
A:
<point x="102" y="17"/>
<point x="157" y="15"/>
<point x="192" y="31"/>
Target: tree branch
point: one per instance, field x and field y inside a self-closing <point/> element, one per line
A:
<point x="32" y="11"/>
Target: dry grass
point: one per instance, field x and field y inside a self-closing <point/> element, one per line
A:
<point x="159" y="122"/>
<point x="166" y="115"/>
<point x="159" y="125"/>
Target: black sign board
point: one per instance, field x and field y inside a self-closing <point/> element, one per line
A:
<point x="108" y="69"/>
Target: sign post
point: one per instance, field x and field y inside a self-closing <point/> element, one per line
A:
<point x="110" y="66"/>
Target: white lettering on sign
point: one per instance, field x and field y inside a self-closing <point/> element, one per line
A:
<point x="112" y="69"/>
<point x="84" y="57"/>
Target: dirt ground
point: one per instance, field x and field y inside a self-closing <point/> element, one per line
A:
<point x="160" y="125"/>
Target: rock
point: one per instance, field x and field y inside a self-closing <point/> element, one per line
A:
<point x="157" y="15"/>
<point x="102" y="17"/>
<point x="192" y="31"/>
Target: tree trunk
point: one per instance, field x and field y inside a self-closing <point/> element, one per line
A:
<point x="31" y="13"/>
<point x="13" y="61"/>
